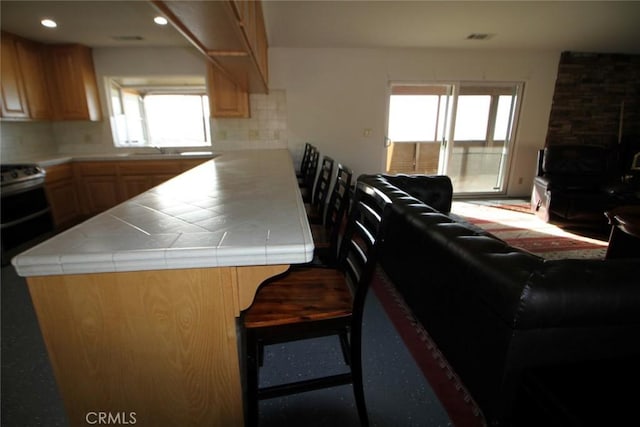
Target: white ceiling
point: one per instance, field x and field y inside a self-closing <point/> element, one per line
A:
<point x="589" y="26"/>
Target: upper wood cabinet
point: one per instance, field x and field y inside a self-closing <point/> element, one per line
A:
<point x="13" y="94"/>
<point x="231" y="33"/>
<point x="227" y="99"/>
<point x="74" y="91"/>
<point x="42" y="82"/>
<point x="32" y="62"/>
<point x="251" y="20"/>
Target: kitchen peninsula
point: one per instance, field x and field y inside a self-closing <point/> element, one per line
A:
<point x="138" y="305"/>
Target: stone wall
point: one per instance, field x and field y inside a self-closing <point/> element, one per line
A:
<point x="593" y="93"/>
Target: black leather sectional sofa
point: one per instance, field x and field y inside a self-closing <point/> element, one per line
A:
<point x="496" y="311"/>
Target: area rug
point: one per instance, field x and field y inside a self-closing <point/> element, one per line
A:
<point x="528" y="232"/>
<point x="462" y="409"/>
<point x="518" y="205"/>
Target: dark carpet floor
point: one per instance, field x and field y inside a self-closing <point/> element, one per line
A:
<point x="396" y="391"/>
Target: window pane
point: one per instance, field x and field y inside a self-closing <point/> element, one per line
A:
<point x="413" y="117"/>
<point x="133" y="118"/>
<point x="175" y="120"/>
<point x="472" y="118"/>
<point x="503" y="117"/>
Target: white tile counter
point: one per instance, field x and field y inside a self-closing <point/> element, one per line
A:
<point x="241" y="208"/>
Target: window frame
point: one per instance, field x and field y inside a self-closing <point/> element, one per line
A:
<point x="119" y="87"/>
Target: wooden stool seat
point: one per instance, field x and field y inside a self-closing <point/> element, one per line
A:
<point x="305" y="294"/>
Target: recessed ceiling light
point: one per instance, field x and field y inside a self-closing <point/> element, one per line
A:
<point x="49" y="23"/>
<point x="160" y="20"/>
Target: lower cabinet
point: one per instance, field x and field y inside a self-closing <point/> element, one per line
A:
<point x="79" y="190"/>
<point x="132" y="185"/>
<point x="97" y="186"/>
<point x="100" y="193"/>
<point x="62" y="195"/>
<point x="138" y="176"/>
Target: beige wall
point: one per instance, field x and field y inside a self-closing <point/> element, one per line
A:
<point x="325" y="96"/>
<point x="333" y="95"/>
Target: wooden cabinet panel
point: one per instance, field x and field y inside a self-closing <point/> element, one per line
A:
<point x="149" y="167"/>
<point x="32" y="63"/>
<point x="227" y="99"/>
<point x="101" y="193"/>
<point x="73" y="83"/>
<point x="97" y="186"/>
<point x="159" y="179"/>
<point x="63" y="201"/>
<point x="97" y="168"/>
<point x="261" y="47"/>
<point x="132" y="185"/>
<point x="185" y="165"/>
<point x="139" y="176"/>
<point x="103" y="184"/>
<point x="13" y="95"/>
<point x="62" y="195"/>
<point x="42" y="82"/>
<point x="230" y="33"/>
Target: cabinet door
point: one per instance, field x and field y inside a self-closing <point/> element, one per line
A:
<point x="185" y="165"/>
<point x="14" y="104"/>
<point x="62" y="195"/>
<point x="159" y="179"/>
<point x="73" y="81"/>
<point x="32" y="64"/>
<point x="64" y="203"/>
<point x="226" y="99"/>
<point x="132" y="185"/>
<point x="101" y="193"/>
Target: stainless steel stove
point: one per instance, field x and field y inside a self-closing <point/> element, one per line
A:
<point x="25" y="217"/>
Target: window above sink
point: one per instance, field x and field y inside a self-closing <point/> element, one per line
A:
<point x="159" y="112"/>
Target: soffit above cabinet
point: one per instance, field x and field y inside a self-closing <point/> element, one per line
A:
<point x="216" y="31"/>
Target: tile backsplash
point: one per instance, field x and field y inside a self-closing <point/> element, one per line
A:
<point x="23" y="141"/>
<point x="267" y="127"/>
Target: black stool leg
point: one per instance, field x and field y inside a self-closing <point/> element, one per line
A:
<point x="253" y="360"/>
<point x="356" y="370"/>
<point x="346" y="348"/>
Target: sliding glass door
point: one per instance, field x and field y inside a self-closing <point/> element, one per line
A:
<point x="462" y="130"/>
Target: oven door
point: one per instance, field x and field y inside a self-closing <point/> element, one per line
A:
<point x="25" y="219"/>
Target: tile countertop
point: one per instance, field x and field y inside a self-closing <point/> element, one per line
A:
<point x="52" y="161"/>
<point x="241" y="208"/>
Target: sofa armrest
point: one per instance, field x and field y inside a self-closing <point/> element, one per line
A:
<point x="580" y="293"/>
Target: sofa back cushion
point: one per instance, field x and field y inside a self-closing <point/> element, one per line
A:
<point x="435" y="191"/>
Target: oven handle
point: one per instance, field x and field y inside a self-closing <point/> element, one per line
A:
<point x="24" y="218"/>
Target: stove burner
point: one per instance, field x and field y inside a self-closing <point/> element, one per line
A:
<point x="11" y="173"/>
<point x="17" y="178"/>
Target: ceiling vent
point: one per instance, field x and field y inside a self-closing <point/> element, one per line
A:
<point x="128" y="38"/>
<point x="480" y="36"/>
